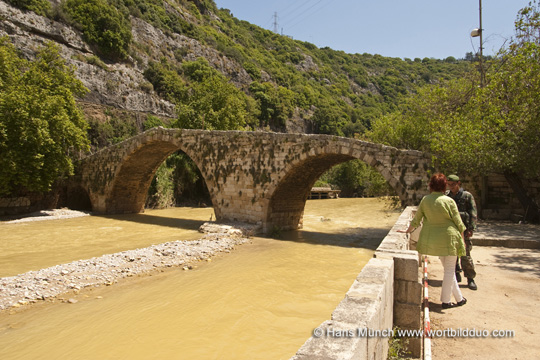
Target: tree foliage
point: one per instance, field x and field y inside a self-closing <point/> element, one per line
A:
<point x="161" y="191"/>
<point x="102" y="25"/>
<point x="40" y="123"/>
<point x="474" y="129"/>
<point x="275" y="103"/>
<point x="299" y="80"/>
<point x="355" y="179"/>
<point x="211" y="102"/>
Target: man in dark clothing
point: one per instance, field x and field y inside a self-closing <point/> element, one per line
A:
<point x="467" y="210"/>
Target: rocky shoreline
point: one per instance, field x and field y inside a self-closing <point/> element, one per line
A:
<point x="52" y="214"/>
<point x="48" y="284"/>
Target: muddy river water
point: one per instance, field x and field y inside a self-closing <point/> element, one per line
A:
<point x="261" y="301"/>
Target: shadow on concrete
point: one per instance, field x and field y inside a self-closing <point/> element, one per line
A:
<point x="436" y="307"/>
<point x="505" y="229"/>
<point x="438" y="283"/>
<point x="435" y="282"/>
<point x="526" y="262"/>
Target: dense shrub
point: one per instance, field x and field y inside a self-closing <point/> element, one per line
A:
<point x="40" y="7"/>
<point x="102" y="25"/>
<point x="356" y="179"/>
<point x="166" y="81"/>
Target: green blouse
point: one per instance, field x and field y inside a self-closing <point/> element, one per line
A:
<point x="442" y="226"/>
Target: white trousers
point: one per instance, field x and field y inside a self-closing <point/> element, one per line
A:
<point x="450" y="285"/>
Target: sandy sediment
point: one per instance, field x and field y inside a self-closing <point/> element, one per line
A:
<point x="35" y="286"/>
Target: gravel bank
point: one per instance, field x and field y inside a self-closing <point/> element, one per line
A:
<point x="44" y="284"/>
<point x="53" y="214"/>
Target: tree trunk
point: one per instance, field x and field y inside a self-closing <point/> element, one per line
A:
<point x="532" y="211"/>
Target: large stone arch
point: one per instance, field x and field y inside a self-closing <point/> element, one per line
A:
<point x="118" y="179"/>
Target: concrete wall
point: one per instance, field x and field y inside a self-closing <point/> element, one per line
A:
<point x="387" y="292"/>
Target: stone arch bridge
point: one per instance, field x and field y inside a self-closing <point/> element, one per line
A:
<point x="255" y="177"/>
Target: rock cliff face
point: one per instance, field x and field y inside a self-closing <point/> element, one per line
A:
<point x="113" y="86"/>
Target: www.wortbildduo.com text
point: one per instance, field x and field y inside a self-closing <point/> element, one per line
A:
<point x="450" y="333"/>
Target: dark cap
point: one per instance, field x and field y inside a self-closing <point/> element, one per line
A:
<point x="453" y="178"/>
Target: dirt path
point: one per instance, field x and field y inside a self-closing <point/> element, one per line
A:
<point x="508" y="298"/>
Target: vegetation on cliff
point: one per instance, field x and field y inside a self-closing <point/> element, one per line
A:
<point x="289" y="80"/>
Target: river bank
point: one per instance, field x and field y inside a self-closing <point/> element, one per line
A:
<point x="70" y="278"/>
<point x="50" y="214"/>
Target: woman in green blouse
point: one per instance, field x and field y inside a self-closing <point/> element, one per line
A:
<point x="441" y="235"/>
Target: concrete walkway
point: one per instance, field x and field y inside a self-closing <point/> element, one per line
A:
<point x="507" y="234"/>
<point x="507" y="261"/>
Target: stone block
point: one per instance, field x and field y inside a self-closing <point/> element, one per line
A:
<point x="405" y="263"/>
<point x="369" y="295"/>
<point x="338" y="341"/>
<point x="408" y="291"/>
<point x="408" y="316"/>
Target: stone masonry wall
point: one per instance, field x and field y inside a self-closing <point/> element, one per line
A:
<point x="500" y="201"/>
<point x="255" y="177"/>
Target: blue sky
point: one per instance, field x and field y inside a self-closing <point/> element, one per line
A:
<point x="394" y="28"/>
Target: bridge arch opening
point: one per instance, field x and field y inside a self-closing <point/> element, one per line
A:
<point x="136" y="186"/>
<point x="178" y="182"/>
<point x="287" y="203"/>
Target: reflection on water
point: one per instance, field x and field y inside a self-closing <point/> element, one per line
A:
<point x="259" y="302"/>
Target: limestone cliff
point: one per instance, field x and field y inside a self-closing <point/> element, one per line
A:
<point x="118" y="87"/>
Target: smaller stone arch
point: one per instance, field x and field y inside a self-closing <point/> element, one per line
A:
<point x="287" y="200"/>
<point x="75" y="196"/>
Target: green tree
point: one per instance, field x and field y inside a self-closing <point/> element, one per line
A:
<point x="212" y="102"/>
<point x="161" y="191"/>
<point x="166" y="81"/>
<point x="355" y="178"/>
<point x="275" y="103"/>
<point x="477" y="130"/>
<point x="330" y="119"/>
<point x="41" y="127"/>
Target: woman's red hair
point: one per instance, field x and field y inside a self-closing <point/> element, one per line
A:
<point x="438" y="182"/>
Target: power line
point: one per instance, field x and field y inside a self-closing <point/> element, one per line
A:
<point x="285" y="10"/>
<point x="291" y="12"/>
<point x="307" y="14"/>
